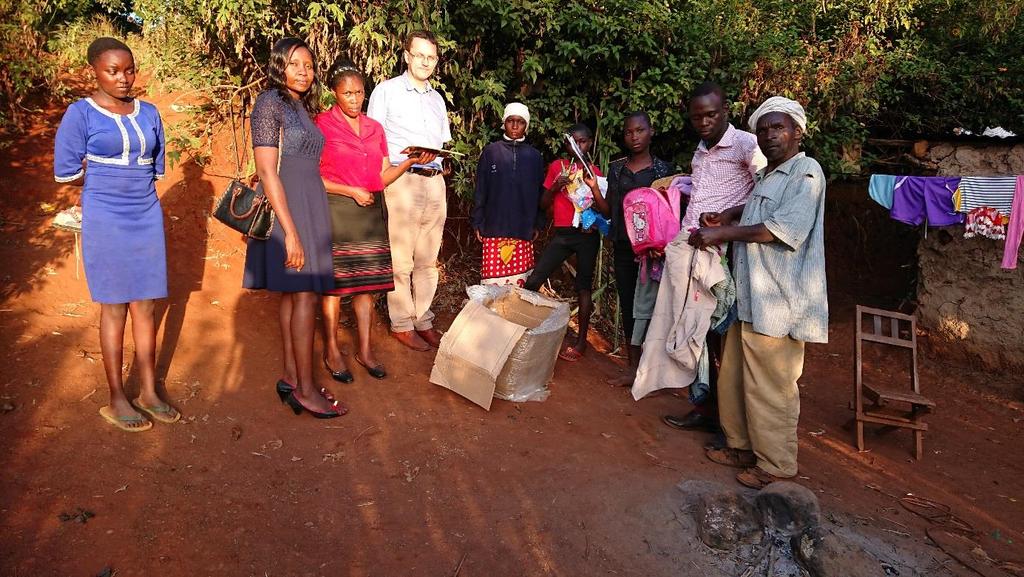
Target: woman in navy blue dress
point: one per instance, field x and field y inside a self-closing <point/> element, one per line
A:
<point x="296" y="260"/>
<point x="116" y="142"/>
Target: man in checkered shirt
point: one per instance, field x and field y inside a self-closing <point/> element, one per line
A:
<point x="724" y="166"/>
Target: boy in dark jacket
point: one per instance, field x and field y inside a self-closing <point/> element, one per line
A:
<point x="505" y="210"/>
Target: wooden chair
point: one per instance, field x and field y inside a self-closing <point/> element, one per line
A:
<point x="902" y="332"/>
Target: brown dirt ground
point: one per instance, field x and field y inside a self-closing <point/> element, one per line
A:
<point x="415" y="480"/>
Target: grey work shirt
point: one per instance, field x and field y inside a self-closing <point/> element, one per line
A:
<point x="780" y="285"/>
<point x="410" y="116"/>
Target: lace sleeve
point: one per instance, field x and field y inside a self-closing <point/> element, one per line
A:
<point x="267" y="115"/>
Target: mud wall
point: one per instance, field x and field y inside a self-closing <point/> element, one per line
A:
<point x="972" y="308"/>
<point x="976" y="160"/>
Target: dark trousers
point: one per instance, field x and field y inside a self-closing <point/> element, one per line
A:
<point x="715" y="347"/>
<point x="566" y="242"/>
<point x="709" y="408"/>
<point x="626" y="272"/>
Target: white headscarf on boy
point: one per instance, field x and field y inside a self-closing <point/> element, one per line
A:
<point x="517" y="109"/>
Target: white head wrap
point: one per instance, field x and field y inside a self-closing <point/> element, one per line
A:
<point x="517" y="109"/>
<point x="780" y="104"/>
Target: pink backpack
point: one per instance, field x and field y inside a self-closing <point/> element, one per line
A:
<point x="651" y="219"/>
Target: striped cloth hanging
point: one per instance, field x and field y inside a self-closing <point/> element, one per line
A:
<point x="991" y="191"/>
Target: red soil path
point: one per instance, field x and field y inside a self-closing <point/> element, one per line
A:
<point x="415" y="480"/>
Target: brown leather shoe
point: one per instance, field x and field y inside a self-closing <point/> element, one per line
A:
<point x="758" y="478"/>
<point x="411" y="339"/>
<point x="732" y="457"/>
<point x="431" y="336"/>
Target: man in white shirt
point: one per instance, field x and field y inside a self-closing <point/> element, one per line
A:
<point x="413" y="113"/>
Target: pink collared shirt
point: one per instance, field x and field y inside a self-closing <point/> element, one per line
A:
<point x="350" y="158"/>
<point x="723" y="176"/>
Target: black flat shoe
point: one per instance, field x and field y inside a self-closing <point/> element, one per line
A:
<point x="340" y="376"/>
<point x="297" y="407"/>
<point x="377" y="371"/>
<point x="692" y="421"/>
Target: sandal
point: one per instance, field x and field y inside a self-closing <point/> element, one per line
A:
<point x="125" y="423"/>
<point x="163" y="413"/>
<point x="570" y="354"/>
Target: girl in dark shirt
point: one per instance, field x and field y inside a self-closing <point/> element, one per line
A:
<point x="639" y="169"/>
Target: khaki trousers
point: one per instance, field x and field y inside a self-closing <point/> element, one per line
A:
<point x="758" y="398"/>
<point x="417" y="209"/>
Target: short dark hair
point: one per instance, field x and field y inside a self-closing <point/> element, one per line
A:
<point x="341" y="69"/>
<point x="582" y="129"/>
<point x="424" y="34"/>
<point x="638" y="114"/>
<point x="708" y="88"/>
<point x="104" y="44"/>
<point x="279" y="56"/>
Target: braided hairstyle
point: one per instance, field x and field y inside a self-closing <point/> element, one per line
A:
<point x="341" y="69"/>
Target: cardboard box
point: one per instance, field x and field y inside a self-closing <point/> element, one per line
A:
<point x="503" y="343"/>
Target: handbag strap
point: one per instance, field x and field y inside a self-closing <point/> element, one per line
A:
<point x="241" y="152"/>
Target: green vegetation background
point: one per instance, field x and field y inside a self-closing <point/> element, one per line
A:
<point x="863" y="67"/>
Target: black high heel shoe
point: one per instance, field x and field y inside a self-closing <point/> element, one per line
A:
<point x="284" y="388"/>
<point x="298" y="407"/>
<point x="340" y="376"/>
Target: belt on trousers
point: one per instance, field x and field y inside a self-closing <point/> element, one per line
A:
<point x="424" y="171"/>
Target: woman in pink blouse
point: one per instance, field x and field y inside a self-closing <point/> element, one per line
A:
<point x="355" y="169"/>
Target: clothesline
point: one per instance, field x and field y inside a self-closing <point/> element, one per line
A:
<point x="988" y="206"/>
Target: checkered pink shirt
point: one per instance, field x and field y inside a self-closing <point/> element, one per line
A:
<point x="723" y="176"/>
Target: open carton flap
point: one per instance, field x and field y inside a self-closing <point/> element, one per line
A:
<point x="514" y="303"/>
<point x="473" y="353"/>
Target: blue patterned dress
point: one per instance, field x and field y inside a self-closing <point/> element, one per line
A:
<point x="122" y="224"/>
<point x="282" y="123"/>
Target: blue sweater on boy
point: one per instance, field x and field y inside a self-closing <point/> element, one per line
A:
<point x="509" y="180"/>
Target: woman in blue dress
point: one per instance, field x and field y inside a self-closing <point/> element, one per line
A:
<point x="116" y="142"/>
<point x="296" y="260"/>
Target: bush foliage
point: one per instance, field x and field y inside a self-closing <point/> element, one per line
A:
<point x="885" y="67"/>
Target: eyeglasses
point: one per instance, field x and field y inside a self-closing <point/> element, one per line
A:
<point x="425" y="58"/>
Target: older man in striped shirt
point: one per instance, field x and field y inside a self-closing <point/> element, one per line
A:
<point x="779" y="256"/>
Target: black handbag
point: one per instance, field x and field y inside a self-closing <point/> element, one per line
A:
<point x="242" y="207"/>
<point x="246" y="210"/>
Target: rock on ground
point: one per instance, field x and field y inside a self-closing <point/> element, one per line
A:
<point x="787" y="508"/>
<point x="726" y="519"/>
<point x="823" y="554"/>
